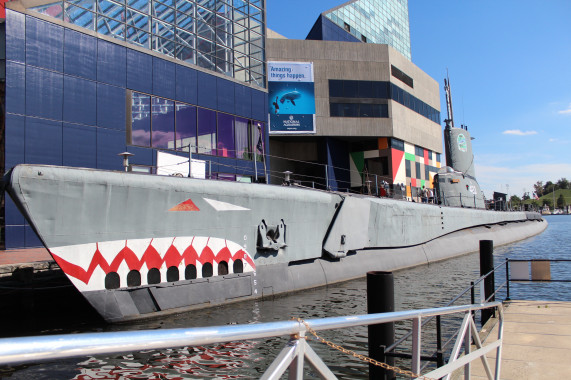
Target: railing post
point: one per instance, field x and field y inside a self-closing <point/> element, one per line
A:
<point x="508" y="279"/>
<point x="255" y="166"/>
<point x="467" y="343"/>
<point x="472" y="296"/>
<point x="487" y="266"/>
<point x="416" y="345"/>
<point x="189" y="160"/>
<point x="380" y="299"/>
<point x="326" y="178"/>
<point x="439" y="355"/>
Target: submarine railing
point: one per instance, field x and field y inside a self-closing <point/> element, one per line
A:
<point x="292" y="358"/>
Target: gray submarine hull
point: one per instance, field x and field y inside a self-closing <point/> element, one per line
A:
<point x="139" y="246"/>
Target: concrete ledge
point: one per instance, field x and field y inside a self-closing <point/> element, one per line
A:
<point x="537" y="341"/>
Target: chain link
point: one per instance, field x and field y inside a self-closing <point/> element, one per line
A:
<point x="359" y="356"/>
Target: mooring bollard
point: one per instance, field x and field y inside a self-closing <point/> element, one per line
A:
<point x="380" y="299"/>
<point x="486" y="266"/>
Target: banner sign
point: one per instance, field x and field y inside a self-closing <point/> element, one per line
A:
<point x="291" y="92"/>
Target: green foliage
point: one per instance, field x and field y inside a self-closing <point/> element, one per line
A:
<point x="561" y="201"/>
<point x="538" y="188"/>
<point x="549" y="187"/>
<point x="566" y="193"/>
<point x="563" y="183"/>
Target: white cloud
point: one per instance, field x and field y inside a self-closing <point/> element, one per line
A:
<point x="518" y="132"/>
<point x="559" y="141"/>
<point x="565" y="111"/>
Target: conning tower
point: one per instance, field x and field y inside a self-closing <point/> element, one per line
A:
<point x="456" y="183"/>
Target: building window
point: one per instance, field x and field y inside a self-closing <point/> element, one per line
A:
<point x="206" y="123"/>
<point x="242" y="134"/>
<point x="358" y="110"/>
<point x="185" y="127"/>
<point x="335" y="88"/>
<point x="398" y="145"/>
<point x="340" y="91"/>
<point x="165" y="124"/>
<point x="225" y="147"/>
<point x="395" y="72"/>
<point x="162" y="135"/>
<point x="140" y="119"/>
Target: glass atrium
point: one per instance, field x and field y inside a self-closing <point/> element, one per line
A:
<point x="375" y="21"/>
<point x="226" y="36"/>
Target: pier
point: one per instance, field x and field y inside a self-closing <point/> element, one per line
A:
<point x="27" y="265"/>
<point x="536" y="342"/>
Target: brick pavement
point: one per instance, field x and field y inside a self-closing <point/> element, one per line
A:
<point x="24" y="256"/>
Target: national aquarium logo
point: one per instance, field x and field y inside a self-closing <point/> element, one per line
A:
<point x="291" y="123"/>
<point x="462" y="145"/>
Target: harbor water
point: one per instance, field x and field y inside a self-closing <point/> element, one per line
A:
<point x="419" y="287"/>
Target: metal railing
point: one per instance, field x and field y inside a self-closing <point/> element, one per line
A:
<point x="291" y="358"/>
<point x="442" y="345"/>
<point x="298" y="350"/>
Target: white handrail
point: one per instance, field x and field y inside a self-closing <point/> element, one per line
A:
<point x="41" y="348"/>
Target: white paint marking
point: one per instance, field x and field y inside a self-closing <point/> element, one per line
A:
<point x="223" y="206"/>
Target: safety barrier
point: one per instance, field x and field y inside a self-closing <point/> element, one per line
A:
<point x="292" y="357"/>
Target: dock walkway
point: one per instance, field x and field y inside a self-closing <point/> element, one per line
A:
<point x="31" y="259"/>
<point x="537" y="341"/>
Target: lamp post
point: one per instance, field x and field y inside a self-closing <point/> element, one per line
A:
<point x="126" y="156"/>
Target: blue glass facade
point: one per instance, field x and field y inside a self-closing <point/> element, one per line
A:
<point x="225" y="36"/>
<point x="325" y="30"/>
<point x="371" y="21"/>
<point x="68" y="102"/>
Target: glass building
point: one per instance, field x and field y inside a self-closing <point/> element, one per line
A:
<point x="226" y="36"/>
<point x="371" y="21"/>
<point x="85" y="80"/>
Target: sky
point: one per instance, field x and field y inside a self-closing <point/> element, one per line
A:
<point x="509" y="63"/>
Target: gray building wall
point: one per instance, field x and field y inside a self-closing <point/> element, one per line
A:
<point x="359" y="61"/>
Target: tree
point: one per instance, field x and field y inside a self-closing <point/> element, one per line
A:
<point x="561" y="201"/>
<point x="515" y="200"/>
<point x="538" y="187"/>
<point x="563" y="183"/>
<point x="547" y="202"/>
<point x="549" y="187"/>
<point x="525" y="196"/>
